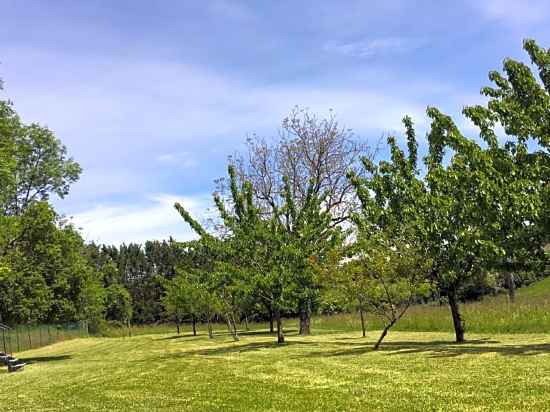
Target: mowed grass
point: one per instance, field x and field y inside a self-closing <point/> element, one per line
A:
<point x="505" y="365"/>
<point x="329" y="371"/>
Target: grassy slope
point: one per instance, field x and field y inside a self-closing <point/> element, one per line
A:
<point x="529" y="314"/>
<point x="328" y="371"/>
<point x="413" y="371"/>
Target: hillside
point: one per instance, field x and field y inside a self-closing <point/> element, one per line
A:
<point x="530" y="313"/>
<point x="324" y="372"/>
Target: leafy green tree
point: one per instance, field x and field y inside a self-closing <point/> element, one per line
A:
<point x="46" y="275"/>
<point x="267" y="254"/>
<point x="520" y="104"/>
<point x="309" y="161"/>
<point x="118" y="303"/>
<point x="459" y="212"/>
<point x="395" y="275"/>
<point x="181" y="299"/>
<point x="35" y="163"/>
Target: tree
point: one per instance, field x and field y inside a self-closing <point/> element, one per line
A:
<point x="266" y="254"/>
<point x="118" y="303"/>
<point x="313" y="155"/>
<point x="520" y="103"/>
<point x="46" y="275"/>
<point x="456" y="211"/>
<point x="179" y="298"/>
<point x="395" y="275"/>
<point x="38" y="164"/>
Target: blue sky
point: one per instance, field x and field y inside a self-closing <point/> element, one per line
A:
<point x="151" y="97"/>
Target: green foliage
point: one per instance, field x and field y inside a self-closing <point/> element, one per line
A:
<point x="43" y="271"/>
<point x="267" y="258"/>
<point x="45" y="275"/>
<point x="34" y="163"/>
<point x="475" y="208"/>
<point x="118" y="303"/>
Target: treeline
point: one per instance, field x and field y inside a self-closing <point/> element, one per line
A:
<point x="311" y="216"/>
<point x="308" y="222"/>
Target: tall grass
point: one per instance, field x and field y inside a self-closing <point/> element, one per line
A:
<point x="530" y="313"/>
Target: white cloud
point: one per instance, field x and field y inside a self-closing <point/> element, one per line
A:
<point x="132" y="112"/>
<point x="369" y="48"/>
<point x="147" y="107"/>
<point x="232" y="10"/>
<point x="183" y="160"/>
<point x="514" y="12"/>
<point x="155" y="219"/>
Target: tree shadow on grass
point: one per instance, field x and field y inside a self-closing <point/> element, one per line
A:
<point x="288" y="332"/>
<point x="40" y="359"/>
<point x="265" y="332"/>
<point x="180" y="336"/>
<point x="439" y="349"/>
<point x="236" y="349"/>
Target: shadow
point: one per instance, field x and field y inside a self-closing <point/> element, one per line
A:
<point x="262" y="332"/>
<point x="235" y="348"/>
<point x="180" y="336"/>
<point x="202" y="334"/>
<point x="40" y="359"/>
<point x="438" y="349"/>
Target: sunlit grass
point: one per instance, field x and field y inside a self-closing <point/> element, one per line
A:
<point x="330" y="371"/>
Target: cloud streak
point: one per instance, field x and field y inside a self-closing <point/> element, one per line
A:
<point x="370" y="48"/>
<point x="155" y="219"/>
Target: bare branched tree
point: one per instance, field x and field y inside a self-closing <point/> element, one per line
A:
<point x="312" y="153"/>
<point x="309" y="149"/>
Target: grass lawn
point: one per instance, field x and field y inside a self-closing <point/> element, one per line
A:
<point x="329" y="371"/>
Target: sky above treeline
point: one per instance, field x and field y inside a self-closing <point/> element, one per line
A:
<point x="151" y="97"/>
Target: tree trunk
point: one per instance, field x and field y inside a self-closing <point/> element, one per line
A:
<point x="511" y="286"/>
<point x="210" y="332"/>
<point x="194" y="323"/>
<point x="457" y="319"/>
<point x="305" y="318"/>
<point x="246" y="323"/>
<point x="363" y="322"/>
<point x="178" y="325"/>
<point x="280" y="333"/>
<point x="271" y="328"/>
<point x="232" y="327"/>
<point x="383" y="335"/>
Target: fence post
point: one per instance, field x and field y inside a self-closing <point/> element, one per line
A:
<point x="4" y="340"/>
<point x="17" y="338"/>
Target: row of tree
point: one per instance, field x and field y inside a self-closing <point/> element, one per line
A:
<point x="312" y="213"/>
<point x="307" y="222"/>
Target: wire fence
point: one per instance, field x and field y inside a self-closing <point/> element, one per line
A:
<point x="24" y="337"/>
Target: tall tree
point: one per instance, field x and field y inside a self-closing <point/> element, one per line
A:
<point x="38" y="165"/>
<point x="520" y="103"/>
<point x="313" y="154"/>
<point x="460" y="211"/>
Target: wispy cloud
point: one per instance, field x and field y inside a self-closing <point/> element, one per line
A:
<point x="181" y="160"/>
<point x="513" y="11"/>
<point x="155" y="219"/>
<point x="233" y="10"/>
<point x="372" y="47"/>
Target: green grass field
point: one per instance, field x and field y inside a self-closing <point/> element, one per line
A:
<point x="335" y="369"/>
<point x="413" y="371"/>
